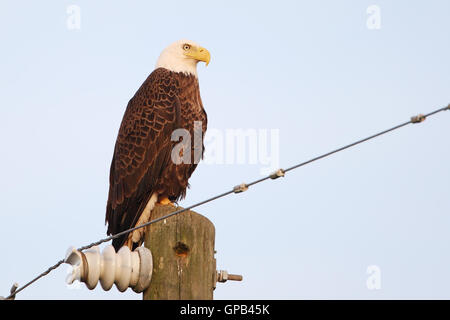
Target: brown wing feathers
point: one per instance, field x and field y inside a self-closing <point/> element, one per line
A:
<point x="142" y="150"/>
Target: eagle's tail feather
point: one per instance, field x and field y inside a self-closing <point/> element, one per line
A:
<point x="136" y="238"/>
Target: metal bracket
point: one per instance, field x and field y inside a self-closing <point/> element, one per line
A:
<point x="277" y="174"/>
<point x="12" y="296"/>
<point x="240" y="188"/>
<point x="417" y="119"/>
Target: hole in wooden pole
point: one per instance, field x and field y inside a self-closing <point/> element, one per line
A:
<point x="181" y="249"/>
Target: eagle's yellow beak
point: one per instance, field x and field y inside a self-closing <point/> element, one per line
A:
<point x="199" y="53"/>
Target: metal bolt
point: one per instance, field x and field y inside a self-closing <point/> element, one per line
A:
<point x="224" y="276"/>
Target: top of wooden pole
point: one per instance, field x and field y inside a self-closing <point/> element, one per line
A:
<point x="182" y="246"/>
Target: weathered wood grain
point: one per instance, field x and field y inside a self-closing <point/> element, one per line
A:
<point x="182" y="246"/>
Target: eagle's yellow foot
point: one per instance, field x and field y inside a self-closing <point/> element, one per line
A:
<point x="165" y="201"/>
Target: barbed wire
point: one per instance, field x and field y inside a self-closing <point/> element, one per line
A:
<point x="237" y="189"/>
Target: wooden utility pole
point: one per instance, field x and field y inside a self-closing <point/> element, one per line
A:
<point x="182" y="246"/>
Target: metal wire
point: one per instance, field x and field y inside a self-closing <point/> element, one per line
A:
<point x="237" y="189"/>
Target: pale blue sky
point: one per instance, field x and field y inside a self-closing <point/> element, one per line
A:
<point x="311" y="69"/>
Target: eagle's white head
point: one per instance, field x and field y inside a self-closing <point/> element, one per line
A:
<point x="183" y="56"/>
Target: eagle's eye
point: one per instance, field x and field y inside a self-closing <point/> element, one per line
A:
<point x="186" y="47"/>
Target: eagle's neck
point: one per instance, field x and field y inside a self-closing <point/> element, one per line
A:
<point x="189" y="91"/>
<point x="177" y="64"/>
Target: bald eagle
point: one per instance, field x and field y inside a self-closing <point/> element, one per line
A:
<point x="143" y="172"/>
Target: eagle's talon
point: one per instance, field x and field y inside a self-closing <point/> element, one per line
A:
<point x="165" y="201"/>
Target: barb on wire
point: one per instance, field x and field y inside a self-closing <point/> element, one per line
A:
<point x="237" y="189"/>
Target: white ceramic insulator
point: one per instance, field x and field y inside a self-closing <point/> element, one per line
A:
<point x="109" y="268"/>
<point x="125" y="268"/>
